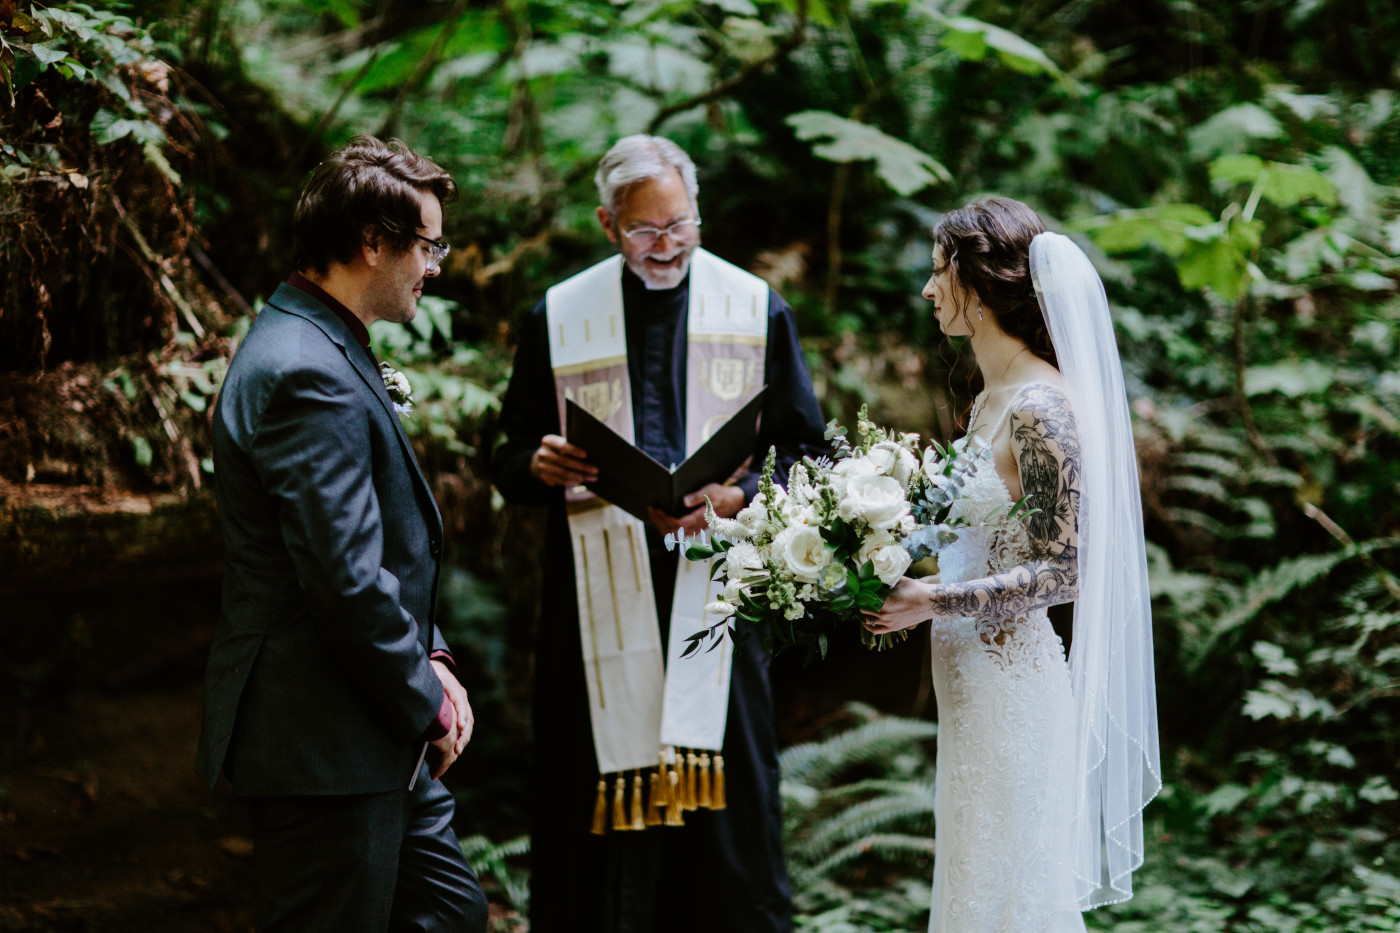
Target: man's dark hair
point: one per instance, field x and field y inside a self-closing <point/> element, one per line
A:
<point x="367" y="189"/>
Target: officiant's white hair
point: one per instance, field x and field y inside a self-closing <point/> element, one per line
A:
<point x="637" y="158"/>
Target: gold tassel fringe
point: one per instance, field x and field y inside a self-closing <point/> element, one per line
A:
<point x="673" y="798"/>
<point x="600" y="809"/>
<point x="638" y="820"/>
<point x="619" y="820"/>
<point x="690" y="779"/>
<point x="717" y="793"/>
<point x="654" y="784"/>
<point x="702" y="797"/>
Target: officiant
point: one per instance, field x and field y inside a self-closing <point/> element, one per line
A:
<point x="654" y="779"/>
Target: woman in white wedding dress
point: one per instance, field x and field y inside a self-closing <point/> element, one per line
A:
<point x="1044" y="762"/>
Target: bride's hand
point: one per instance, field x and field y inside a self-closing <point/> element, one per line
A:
<point x="906" y="606"/>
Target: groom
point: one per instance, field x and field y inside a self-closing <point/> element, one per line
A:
<point x="330" y="698"/>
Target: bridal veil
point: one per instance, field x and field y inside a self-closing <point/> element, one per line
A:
<point x="1117" y="759"/>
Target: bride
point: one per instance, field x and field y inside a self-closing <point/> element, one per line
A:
<point x="1044" y="765"/>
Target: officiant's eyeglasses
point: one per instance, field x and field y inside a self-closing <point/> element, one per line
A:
<point x="646" y="237"/>
<point x="437" y="251"/>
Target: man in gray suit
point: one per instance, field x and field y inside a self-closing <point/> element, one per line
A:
<point x="330" y="698"/>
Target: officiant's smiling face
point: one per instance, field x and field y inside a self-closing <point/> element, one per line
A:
<point x="951" y="302"/>
<point x="655" y="204"/>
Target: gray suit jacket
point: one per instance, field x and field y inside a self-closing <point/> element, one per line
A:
<point x="318" y="679"/>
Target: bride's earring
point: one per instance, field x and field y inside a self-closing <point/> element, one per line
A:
<point x="979" y="311"/>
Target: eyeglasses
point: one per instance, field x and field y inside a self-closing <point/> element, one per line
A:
<point x="646" y="237"/>
<point x="437" y="251"/>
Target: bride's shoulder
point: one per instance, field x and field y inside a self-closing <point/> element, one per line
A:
<point x="1045" y="386"/>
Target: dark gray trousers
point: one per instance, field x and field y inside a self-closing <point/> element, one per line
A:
<point x="367" y="863"/>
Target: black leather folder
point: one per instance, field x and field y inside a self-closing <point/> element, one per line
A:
<point x="632" y="480"/>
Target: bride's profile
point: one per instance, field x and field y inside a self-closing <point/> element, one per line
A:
<point x="1044" y="762"/>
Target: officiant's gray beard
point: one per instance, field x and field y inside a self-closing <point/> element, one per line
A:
<point x="657" y="278"/>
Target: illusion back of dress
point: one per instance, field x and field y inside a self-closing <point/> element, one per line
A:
<point x="1005" y="739"/>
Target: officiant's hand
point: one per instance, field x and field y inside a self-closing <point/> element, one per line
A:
<point x="728" y="500"/>
<point x="905" y="607"/>
<point x="559" y="463"/>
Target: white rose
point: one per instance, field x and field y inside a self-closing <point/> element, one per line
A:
<point x="889" y="559"/>
<point x="803" y="552"/>
<point x="907" y="524"/>
<point x="877" y="499"/>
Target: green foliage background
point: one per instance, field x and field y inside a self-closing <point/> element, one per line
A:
<point x="1232" y="168"/>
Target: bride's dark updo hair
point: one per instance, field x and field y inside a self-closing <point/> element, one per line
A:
<point x="987" y="245"/>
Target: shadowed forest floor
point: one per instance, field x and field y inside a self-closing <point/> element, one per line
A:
<point x="105" y="826"/>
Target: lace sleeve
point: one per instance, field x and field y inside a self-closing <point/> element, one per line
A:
<point x="1045" y="442"/>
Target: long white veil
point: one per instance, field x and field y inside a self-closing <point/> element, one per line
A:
<point x="1117" y="760"/>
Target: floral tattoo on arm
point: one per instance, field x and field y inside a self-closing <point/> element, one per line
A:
<point x="1045" y="440"/>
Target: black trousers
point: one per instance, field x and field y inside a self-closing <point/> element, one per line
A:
<point x="367" y="863"/>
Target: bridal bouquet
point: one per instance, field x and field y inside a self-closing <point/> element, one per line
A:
<point x="797" y="562"/>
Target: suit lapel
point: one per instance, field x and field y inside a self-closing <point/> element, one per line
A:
<point x="295" y="301"/>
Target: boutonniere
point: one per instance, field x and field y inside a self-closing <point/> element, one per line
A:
<point x="400" y="392"/>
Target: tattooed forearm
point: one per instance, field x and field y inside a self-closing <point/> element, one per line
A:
<point x="1045" y="442"/>
<point x="1033" y="585"/>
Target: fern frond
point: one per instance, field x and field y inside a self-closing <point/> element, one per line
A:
<point x="489" y="858"/>
<point x="813" y="763"/>
<point x="890" y="847"/>
<point x="911" y="812"/>
<point x="1276" y="582"/>
<point x="1209" y="463"/>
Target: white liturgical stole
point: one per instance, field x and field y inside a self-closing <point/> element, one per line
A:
<point x="641" y="709"/>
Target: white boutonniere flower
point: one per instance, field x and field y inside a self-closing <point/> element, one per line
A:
<point x="400" y="392"/>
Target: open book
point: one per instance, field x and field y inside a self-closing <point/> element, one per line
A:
<point x="633" y="481"/>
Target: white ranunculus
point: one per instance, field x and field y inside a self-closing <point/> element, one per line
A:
<point x="890" y="459"/>
<point x="889" y="558"/>
<point x="854" y="466"/>
<point x="877" y="499"/>
<point x="883" y="457"/>
<point x="802" y="551"/>
<point x="907" y="524"/>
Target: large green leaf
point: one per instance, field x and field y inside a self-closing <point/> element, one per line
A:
<point x="1233" y="129"/>
<point x="1284" y="184"/>
<point x="904" y="168"/>
<point x="1165" y="226"/>
<point x="1303" y="377"/>
<point x="970" y="39"/>
<point x="1218" y="257"/>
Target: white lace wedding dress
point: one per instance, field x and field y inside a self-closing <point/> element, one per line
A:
<point x="1005" y="745"/>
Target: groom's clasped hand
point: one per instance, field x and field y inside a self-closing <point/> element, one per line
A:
<point x="451" y="745"/>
